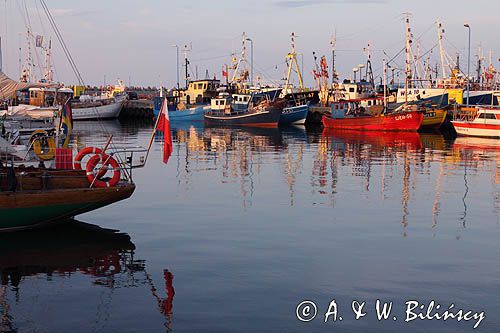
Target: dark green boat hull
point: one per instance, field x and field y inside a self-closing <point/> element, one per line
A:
<point x="22" y="218"/>
<point x="33" y="209"/>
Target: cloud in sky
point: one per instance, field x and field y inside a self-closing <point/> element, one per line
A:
<point x="306" y="3"/>
<point x="62" y="12"/>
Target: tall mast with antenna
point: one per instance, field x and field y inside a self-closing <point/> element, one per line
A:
<point x="48" y="62"/>
<point x="441" y="50"/>
<point x="333" y="43"/>
<point x="186" y="63"/>
<point x="408" y="56"/>
<point x="369" y="70"/>
<point x="243" y="57"/>
<point x="292" y="58"/>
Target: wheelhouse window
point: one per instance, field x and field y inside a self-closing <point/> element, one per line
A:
<point x="487" y="116"/>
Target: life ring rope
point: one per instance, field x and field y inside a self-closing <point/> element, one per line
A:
<point x="106" y="161"/>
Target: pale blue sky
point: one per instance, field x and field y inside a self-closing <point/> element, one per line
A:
<point x="134" y="38"/>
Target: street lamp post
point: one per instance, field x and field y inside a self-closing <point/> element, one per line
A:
<point x="177" y="54"/>
<point x="251" y="58"/>
<point x="468" y="67"/>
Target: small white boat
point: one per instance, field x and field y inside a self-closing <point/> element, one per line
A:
<point x="98" y="108"/>
<point x="483" y="122"/>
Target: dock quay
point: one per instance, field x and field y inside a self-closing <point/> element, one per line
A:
<point x="141" y="108"/>
<point x="316" y="113"/>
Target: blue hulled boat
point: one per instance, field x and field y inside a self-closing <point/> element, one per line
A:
<point x="191" y="114"/>
<point x="295" y="114"/>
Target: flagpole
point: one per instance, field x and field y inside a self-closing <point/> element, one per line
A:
<point x="154" y="131"/>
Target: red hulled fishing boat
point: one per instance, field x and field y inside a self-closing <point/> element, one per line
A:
<point x="342" y="118"/>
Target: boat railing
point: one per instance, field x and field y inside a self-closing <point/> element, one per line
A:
<point x="464" y="113"/>
<point x="131" y="157"/>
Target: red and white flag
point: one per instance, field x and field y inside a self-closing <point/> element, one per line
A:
<point x="164" y="126"/>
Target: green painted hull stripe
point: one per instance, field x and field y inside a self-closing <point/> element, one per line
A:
<point x="25" y="217"/>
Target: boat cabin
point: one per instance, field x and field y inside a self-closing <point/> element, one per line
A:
<point x="221" y="103"/>
<point x="241" y="99"/>
<point x="199" y="92"/>
<point x="339" y="109"/>
<point x="491" y="116"/>
<point x="42" y="96"/>
<point x="357" y="90"/>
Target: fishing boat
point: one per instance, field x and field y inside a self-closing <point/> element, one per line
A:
<point x="97" y="107"/>
<point x="184" y="114"/>
<point x="107" y="105"/>
<point x="189" y="104"/>
<point x="434" y="116"/>
<point x="263" y="114"/>
<point x="481" y="121"/>
<point x="295" y="114"/>
<point x="342" y="118"/>
<point x="31" y="196"/>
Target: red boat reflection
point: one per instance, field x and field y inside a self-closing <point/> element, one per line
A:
<point x="400" y="140"/>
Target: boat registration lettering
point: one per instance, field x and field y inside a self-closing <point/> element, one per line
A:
<point x="403" y="117"/>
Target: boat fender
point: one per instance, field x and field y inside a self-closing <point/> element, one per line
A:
<point x="106" y="160"/>
<point x="77" y="165"/>
<point x="43" y="145"/>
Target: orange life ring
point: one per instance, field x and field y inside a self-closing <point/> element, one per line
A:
<point x="77" y="165"/>
<point x="82" y="153"/>
<point x="106" y="160"/>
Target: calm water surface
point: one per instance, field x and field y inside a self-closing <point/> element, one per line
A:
<point x="244" y="224"/>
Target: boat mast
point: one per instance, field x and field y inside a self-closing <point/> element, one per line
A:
<point x="48" y="62"/>
<point x="243" y="57"/>
<point x="369" y="70"/>
<point x="26" y="70"/>
<point x="385" y="85"/>
<point x="292" y="57"/>
<point x="333" y="43"/>
<point x="186" y="63"/>
<point x="479" y="65"/>
<point x="441" y="50"/>
<point x="408" y="56"/>
<point x="1" y="54"/>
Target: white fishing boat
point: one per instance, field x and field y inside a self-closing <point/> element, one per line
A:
<point x="483" y="122"/>
<point x="91" y="108"/>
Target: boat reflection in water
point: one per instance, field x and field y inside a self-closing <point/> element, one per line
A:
<point x="68" y="251"/>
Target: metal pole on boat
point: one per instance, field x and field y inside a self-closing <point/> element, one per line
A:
<point x="155" y="128"/>
<point x="385" y="86"/>
<point x="0" y="54"/>
<point x="251" y="59"/>
<point x="177" y="50"/>
<point x="468" y="67"/>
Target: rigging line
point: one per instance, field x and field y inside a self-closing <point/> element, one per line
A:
<point x="27" y="15"/>
<point x="211" y="58"/>
<point x="40" y="17"/>
<point x="22" y="14"/>
<point x="264" y="74"/>
<point x="63" y="43"/>
<point x="77" y="72"/>
<point x="425" y="32"/>
<point x="456" y="48"/>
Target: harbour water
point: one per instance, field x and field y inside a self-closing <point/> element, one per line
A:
<point x="243" y="225"/>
